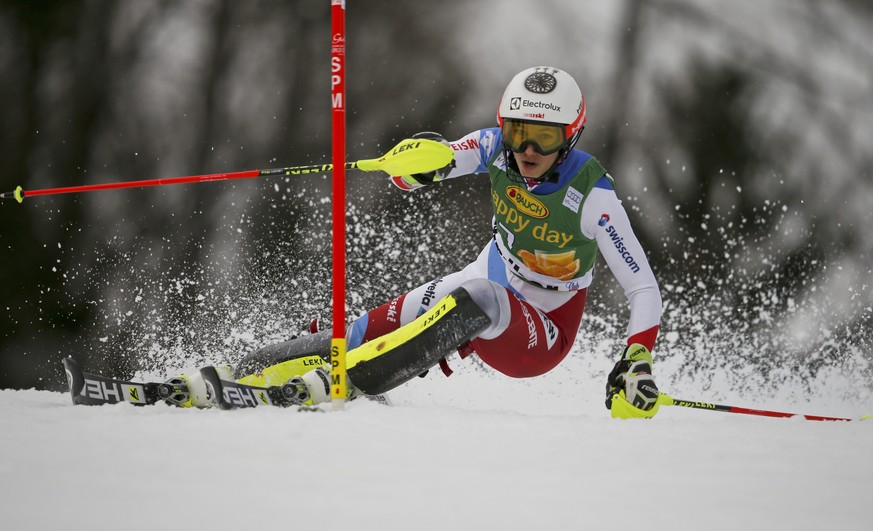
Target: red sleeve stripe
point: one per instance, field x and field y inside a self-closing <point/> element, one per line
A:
<point x="400" y="183"/>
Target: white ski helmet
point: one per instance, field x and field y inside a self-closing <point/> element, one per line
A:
<point x="541" y="96"/>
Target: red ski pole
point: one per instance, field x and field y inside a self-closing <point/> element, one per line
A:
<point x="415" y="155"/>
<point x="667" y="400"/>
<point x="20" y="194"/>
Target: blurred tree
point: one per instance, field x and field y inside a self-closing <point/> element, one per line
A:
<point x="151" y="89"/>
<point x="747" y="153"/>
<point x="59" y="52"/>
<point x="738" y="135"/>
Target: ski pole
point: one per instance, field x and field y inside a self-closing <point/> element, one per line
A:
<point x="666" y="400"/>
<point x="417" y="155"/>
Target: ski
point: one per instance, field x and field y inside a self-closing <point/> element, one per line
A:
<point x="233" y="395"/>
<point x="94" y="390"/>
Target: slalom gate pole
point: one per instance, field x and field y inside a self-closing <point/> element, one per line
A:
<point x="338" y="375"/>
<point x="670" y="401"/>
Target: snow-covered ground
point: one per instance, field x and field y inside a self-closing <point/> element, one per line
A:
<point x="470" y="452"/>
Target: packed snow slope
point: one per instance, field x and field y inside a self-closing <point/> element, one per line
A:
<point x="470" y="452"/>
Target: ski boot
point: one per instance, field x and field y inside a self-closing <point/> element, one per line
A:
<point x="191" y="390"/>
<point x="316" y="384"/>
<point x="296" y="392"/>
<point x="175" y="392"/>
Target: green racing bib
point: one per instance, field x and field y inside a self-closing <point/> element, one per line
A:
<point x="542" y="234"/>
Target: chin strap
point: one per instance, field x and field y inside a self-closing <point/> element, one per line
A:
<point x="516" y="176"/>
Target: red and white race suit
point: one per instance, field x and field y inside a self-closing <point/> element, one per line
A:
<point x="535" y="318"/>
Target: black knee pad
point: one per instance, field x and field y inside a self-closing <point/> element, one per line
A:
<point x="315" y="344"/>
<point x="391" y="360"/>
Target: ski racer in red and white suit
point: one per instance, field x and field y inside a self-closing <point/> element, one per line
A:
<point x="520" y="303"/>
<point x="536" y="325"/>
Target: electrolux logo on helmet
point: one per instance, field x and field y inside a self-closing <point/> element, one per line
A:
<point x="517" y="103"/>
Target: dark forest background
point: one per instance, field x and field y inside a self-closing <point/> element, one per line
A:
<point x="739" y="134"/>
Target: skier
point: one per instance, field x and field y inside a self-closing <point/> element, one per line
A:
<point x="519" y="305"/>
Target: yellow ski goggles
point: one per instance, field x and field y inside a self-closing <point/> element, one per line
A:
<point x="546" y="138"/>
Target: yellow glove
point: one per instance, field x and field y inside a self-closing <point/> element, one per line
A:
<point x="622" y="409"/>
<point x="417" y="180"/>
<point x="632" y="376"/>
